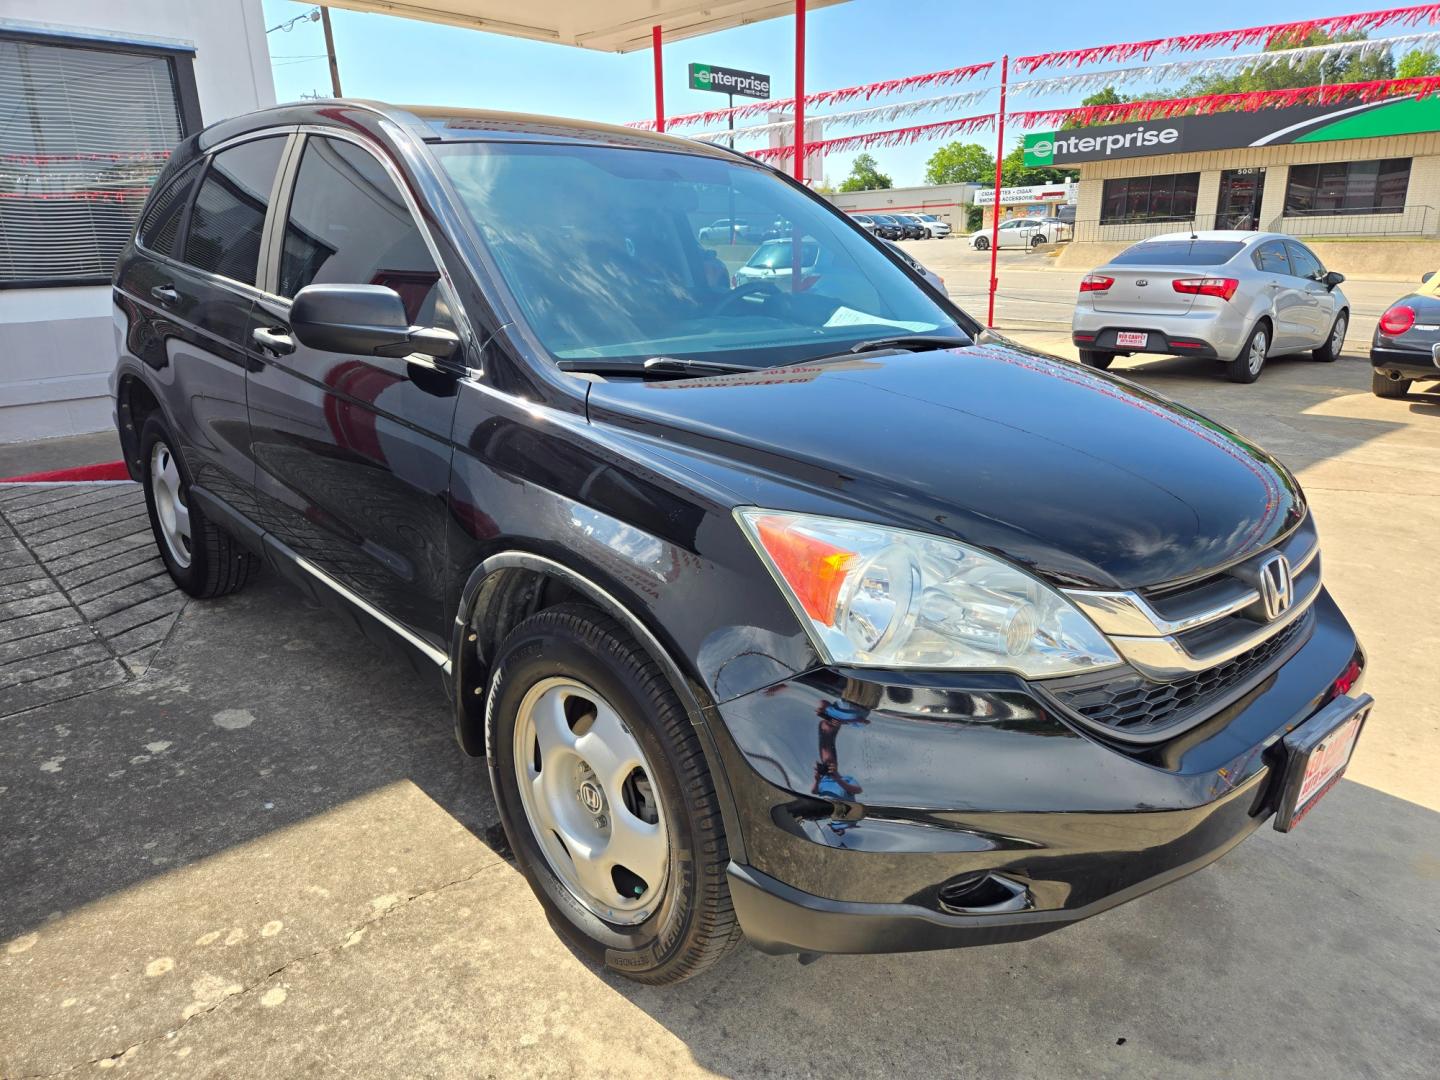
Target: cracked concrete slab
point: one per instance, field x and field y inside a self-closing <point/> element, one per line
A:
<point x="264" y="856"/>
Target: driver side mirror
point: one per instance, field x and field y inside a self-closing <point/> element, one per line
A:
<point x="363" y="320"/>
<point x="1332" y="279"/>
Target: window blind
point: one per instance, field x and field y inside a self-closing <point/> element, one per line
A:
<point x="83" y="134"/>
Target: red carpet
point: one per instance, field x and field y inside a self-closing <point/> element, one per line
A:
<point x="107" y="470"/>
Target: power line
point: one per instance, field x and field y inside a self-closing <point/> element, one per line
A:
<point x="313" y="15"/>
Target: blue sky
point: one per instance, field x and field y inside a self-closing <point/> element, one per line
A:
<point x="401" y="60"/>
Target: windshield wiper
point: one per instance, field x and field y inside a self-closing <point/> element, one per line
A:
<point x="913" y="342"/>
<point x="656" y="365"/>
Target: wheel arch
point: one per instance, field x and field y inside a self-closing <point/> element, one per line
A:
<point x="135" y="401"/>
<point x="509" y="586"/>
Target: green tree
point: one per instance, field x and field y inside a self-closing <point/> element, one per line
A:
<point x="1015" y="173"/>
<point x="1108" y="96"/>
<point x="959" y="163"/>
<point x="1418" y="63"/>
<point x="1327" y="69"/>
<point x="865" y="175"/>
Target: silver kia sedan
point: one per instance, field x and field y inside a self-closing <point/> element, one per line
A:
<point x="1235" y="297"/>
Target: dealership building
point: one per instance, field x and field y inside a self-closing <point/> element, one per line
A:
<point x="1341" y="172"/>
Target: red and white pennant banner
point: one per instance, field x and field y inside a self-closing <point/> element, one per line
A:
<point x="1362" y="22"/>
<point x="866" y="91"/>
<point x="896" y="137"/>
<point x="880" y="114"/>
<point x="1213" y="103"/>
<point x="1218" y="65"/>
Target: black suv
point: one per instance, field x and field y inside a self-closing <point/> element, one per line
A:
<point x="803" y="608"/>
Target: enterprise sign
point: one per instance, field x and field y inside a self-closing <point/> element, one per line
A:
<point x="725" y="80"/>
<point x="1226" y="131"/>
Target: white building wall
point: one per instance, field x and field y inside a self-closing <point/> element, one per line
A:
<point x="57" y="345"/>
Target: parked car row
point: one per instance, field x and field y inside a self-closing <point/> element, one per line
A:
<point x="903" y="226"/>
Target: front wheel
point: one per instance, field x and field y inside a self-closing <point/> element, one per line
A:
<point x="1246" y="367"/>
<point x="1330" y="351"/>
<point x="982" y="243"/>
<point x="1092" y="358"/>
<point x="606" y="797"/>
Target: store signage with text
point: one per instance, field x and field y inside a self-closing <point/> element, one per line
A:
<point x="725" y="80"/>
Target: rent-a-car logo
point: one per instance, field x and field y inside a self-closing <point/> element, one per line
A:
<point x="1041" y="148"/>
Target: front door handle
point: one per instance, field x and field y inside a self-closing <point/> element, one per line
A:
<point x="277" y="342"/>
<point x="166" y="294"/>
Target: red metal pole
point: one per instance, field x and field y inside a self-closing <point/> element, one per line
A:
<point x="799" y="170"/>
<point x="995" y="210"/>
<point x="659" y="79"/>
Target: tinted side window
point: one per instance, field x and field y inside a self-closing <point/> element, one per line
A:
<point x="1270" y="257"/>
<point x="162" y="222"/>
<point x="229" y="213"/>
<point x="1303" y="263"/>
<point x="349" y="225"/>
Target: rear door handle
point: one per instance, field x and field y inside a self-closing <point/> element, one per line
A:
<point x="277" y="342"/>
<point x="166" y="294"/>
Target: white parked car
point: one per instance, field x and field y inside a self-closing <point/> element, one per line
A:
<point x="935" y="229"/>
<point x="1023" y="233"/>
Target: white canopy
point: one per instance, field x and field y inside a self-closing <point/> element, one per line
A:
<point x="604" y="25"/>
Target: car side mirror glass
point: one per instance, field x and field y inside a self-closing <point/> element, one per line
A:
<point x="1332" y="279"/>
<point x="363" y="320"/>
<point x="1425" y="277"/>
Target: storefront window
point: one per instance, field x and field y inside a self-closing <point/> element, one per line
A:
<point x="1348" y="187"/>
<point x="1149" y="198"/>
<point x="86" y="130"/>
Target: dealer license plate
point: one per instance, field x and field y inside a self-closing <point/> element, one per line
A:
<point x="1318" y="752"/>
<point x="1131" y="339"/>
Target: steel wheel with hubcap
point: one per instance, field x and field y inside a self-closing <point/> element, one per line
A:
<point x="1246" y="367"/>
<point x="588" y="794"/>
<point x="203" y="559"/>
<point x="606" y="796"/>
<point x="1330" y="351"/>
<point x="170" y="508"/>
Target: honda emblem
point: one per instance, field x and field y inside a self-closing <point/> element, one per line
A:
<point x="1277" y="586"/>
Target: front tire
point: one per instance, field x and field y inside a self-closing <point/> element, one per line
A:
<point x="1246" y="367"/>
<point x="606" y="797"/>
<point x="1386" y="387"/>
<point x="203" y="559"/>
<point x="982" y="243"/>
<point x="1329" y="352"/>
<point x="1092" y="358"/>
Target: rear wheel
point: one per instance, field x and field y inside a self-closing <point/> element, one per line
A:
<point x="606" y="797"/>
<point x="1330" y="351"/>
<point x="982" y="243"/>
<point x="1386" y="387"/>
<point x="202" y="558"/>
<point x="1095" y="359"/>
<point x="1246" y="367"/>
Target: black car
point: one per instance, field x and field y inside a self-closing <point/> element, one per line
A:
<point x="887" y="227"/>
<point x="803" y="609"/>
<point x="1406" y="345"/>
<point x="914" y="230"/>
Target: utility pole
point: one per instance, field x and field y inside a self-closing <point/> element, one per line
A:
<point x="330" y="51"/>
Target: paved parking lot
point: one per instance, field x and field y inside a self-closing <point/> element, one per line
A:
<point x="236" y="839"/>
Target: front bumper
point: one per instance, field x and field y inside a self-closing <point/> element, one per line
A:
<point x="940" y="811"/>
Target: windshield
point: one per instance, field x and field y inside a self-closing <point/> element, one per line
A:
<point x="615" y="253"/>
<point x="1179" y="253"/>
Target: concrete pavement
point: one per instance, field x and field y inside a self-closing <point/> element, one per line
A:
<point x="264" y="856"/>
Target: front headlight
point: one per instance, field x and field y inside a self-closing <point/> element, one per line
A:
<point x="882" y="597"/>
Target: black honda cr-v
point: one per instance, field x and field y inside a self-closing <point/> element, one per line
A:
<point x="802" y="608"/>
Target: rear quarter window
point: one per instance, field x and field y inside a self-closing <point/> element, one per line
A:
<point x="1179" y="253"/>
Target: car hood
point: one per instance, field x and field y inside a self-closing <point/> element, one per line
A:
<point x="1081" y="476"/>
